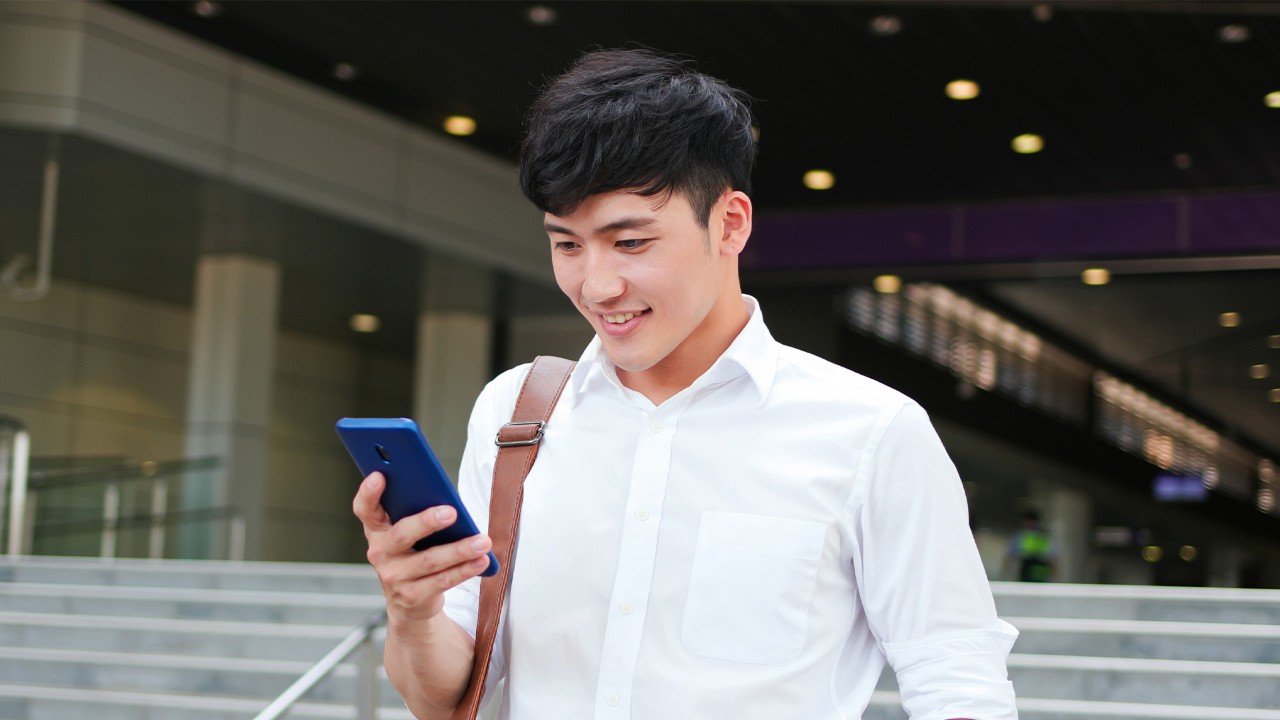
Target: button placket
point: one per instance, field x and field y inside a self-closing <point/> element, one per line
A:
<point x="636" y="559"/>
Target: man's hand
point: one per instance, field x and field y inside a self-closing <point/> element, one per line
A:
<point x="427" y="656"/>
<point x="413" y="581"/>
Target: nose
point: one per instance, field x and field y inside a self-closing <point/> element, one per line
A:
<point x="602" y="279"/>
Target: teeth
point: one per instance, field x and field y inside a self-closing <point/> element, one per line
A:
<point x="617" y="319"/>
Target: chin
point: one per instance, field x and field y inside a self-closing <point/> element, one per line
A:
<point x="630" y="364"/>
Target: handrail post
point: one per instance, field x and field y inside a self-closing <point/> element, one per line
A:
<point x="110" y="517"/>
<point x="235" y="549"/>
<point x="159" y="503"/>
<point x="367" y="680"/>
<point x="360" y="638"/>
<point x="16" y="472"/>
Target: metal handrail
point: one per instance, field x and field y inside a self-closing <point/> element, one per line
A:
<point x="119" y="471"/>
<point x="157" y="521"/>
<point x="360" y="639"/>
<point x="111" y="477"/>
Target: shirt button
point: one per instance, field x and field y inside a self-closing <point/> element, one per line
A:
<point x="642" y="514"/>
<point x="627" y="608"/>
<point x="655" y="425"/>
<point x="613" y="699"/>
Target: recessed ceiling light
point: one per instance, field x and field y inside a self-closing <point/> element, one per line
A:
<point x="364" y="323"/>
<point x="819" y="180"/>
<point x="1182" y="161"/>
<point x="887" y="284"/>
<point x="1095" y="276"/>
<point x="1028" y="143"/>
<point x="886" y="25"/>
<point x="206" y="8"/>
<point x="541" y="15"/>
<point x="1272" y="99"/>
<point x="1274" y="395"/>
<point x="1233" y="33"/>
<point x="1229" y="319"/>
<point x="1259" y="371"/>
<point x="962" y="89"/>
<point x="459" y="125"/>
<point x="1273" y="342"/>
<point x="345" y="72"/>
<point x="1042" y="12"/>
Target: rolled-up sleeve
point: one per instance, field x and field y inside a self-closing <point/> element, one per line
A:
<point x="462" y="602"/>
<point x="921" y="580"/>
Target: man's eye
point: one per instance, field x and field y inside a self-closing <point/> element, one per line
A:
<point x="566" y="245"/>
<point x="631" y="244"/>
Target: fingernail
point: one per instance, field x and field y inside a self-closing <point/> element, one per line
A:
<point x="374" y="481"/>
<point x="479" y="543"/>
<point x="443" y="513"/>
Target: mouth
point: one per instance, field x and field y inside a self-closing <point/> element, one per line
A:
<point x="618" y="324"/>
<point x="621" y="318"/>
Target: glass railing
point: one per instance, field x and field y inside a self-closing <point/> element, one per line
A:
<point x="114" y="507"/>
<point x="993" y="353"/>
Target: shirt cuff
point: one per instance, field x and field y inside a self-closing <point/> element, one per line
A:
<point x="462" y="605"/>
<point x="956" y="675"/>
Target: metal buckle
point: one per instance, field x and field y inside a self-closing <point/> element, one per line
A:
<point x="537" y="436"/>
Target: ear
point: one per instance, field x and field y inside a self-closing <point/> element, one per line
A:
<point x="736" y="215"/>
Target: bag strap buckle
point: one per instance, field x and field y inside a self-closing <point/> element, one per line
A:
<point x="519" y="434"/>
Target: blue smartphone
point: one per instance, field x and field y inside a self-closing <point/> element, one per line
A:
<point x="415" y="480"/>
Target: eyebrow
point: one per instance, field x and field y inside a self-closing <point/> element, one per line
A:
<point x="626" y="223"/>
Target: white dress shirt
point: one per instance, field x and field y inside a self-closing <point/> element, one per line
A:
<point x="755" y="547"/>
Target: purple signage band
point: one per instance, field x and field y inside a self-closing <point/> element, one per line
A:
<point x="1153" y="227"/>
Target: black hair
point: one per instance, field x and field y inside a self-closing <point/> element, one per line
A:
<point x="636" y="119"/>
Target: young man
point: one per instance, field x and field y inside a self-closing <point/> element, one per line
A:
<point x="717" y="526"/>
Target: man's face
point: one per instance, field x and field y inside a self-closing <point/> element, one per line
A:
<point x="659" y="289"/>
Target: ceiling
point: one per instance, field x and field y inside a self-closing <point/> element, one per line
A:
<point x="1130" y="98"/>
<point x="1118" y="90"/>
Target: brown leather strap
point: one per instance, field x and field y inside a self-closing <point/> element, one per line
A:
<point x="517" y="443"/>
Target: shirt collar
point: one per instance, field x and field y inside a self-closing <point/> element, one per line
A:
<point x="753" y="353"/>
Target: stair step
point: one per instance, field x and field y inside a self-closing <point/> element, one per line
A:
<point x="60" y="703"/>
<point x="1137" y="680"/>
<point x="291" y="577"/>
<point x="1218" y="642"/>
<point x="273" y="641"/>
<point x="155" y="673"/>
<point x="1123" y="602"/>
<point x="199" y="603"/>
<point x="886" y="705"/>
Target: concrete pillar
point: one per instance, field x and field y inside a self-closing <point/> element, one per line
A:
<point x="1225" y="561"/>
<point x="1067" y="515"/>
<point x="452" y="365"/>
<point x="565" y="335"/>
<point x="229" y="398"/>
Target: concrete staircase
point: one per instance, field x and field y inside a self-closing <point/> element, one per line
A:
<point x="1122" y="652"/>
<point x="137" y="639"/>
<point x="174" y="640"/>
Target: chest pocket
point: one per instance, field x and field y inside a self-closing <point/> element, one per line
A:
<point x="750" y="587"/>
